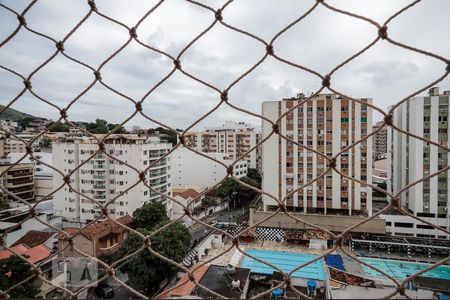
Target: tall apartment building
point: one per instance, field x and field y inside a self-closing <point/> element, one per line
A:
<point x="103" y="178"/>
<point x="233" y="139"/>
<point x="18" y="180"/>
<point x="410" y="159"/>
<point x="326" y="123"/>
<point x="379" y="140"/>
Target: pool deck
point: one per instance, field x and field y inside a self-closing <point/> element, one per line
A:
<point x="259" y="245"/>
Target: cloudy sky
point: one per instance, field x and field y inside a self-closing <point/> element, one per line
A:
<point x="324" y="39"/>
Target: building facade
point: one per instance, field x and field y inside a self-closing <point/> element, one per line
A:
<point x="43" y="175"/>
<point x="189" y="168"/>
<point x="379" y="141"/>
<point x="103" y="178"/>
<point x="11" y="145"/>
<point x="17" y="179"/>
<point x="232" y="139"/>
<point x="326" y="123"/>
<point x="410" y="159"/>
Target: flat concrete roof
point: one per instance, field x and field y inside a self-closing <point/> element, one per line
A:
<point x="358" y="292"/>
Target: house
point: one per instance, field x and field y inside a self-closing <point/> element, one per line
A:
<point x="103" y="238"/>
<point x="35" y="237"/>
<point x="35" y="254"/>
<point x="183" y="197"/>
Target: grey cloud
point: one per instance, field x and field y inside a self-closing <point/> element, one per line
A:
<point x="321" y="41"/>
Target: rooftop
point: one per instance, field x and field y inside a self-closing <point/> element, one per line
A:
<point x="218" y="280"/>
<point x="33" y="238"/>
<point x="184" y="287"/>
<point x="34" y="254"/>
<point x="101" y="227"/>
<point x="190" y="193"/>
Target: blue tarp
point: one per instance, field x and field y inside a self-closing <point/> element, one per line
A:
<point x="335" y="261"/>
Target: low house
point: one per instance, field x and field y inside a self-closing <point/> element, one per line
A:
<point x="103" y="238"/>
<point x="35" y="237"/>
<point x="34" y="255"/>
<point x="184" y="197"/>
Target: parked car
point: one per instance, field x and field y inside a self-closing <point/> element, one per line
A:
<point x="222" y="225"/>
<point x="104" y="291"/>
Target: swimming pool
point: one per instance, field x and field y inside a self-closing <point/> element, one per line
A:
<point x="401" y="269"/>
<point x="285" y="261"/>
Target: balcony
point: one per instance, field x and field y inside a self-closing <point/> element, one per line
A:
<point x="99" y="197"/>
<point x="97" y="167"/>
<point x="16" y="174"/>
<point x="99" y="187"/>
<point x="99" y="176"/>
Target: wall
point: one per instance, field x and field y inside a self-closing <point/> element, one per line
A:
<point x="189" y="168"/>
<point x="43" y="186"/>
<point x="391" y="228"/>
<point x="329" y="222"/>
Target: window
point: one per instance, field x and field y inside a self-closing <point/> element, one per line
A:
<point x="344" y="120"/>
<point x="403" y="225"/>
<point x="363" y="120"/>
<point x="423" y="226"/>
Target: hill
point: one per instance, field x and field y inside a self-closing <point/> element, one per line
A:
<point x="14" y="115"/>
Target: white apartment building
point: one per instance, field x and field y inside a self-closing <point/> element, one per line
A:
<point x="326" y="123"/>
<point x="410" y="159"/>
<point x="103" y="178"/>
<point x="192" y="169"/>
<point x="232" y="139"/>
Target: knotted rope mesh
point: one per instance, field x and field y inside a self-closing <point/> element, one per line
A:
<point x="381" y="33"/>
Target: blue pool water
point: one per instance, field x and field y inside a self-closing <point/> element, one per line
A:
<point x="402" y="269"/>
<point x="285" y="261"/>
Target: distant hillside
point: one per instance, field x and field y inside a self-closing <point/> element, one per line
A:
<point x="14" y="115"/>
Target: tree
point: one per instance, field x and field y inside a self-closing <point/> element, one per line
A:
<point x="149" y="215"/>
<point x="254" y="174"/>
<point x="59" y="127"/>
<point x="14" y="270"/>
<point x="208" y="201"/>
<point x="100" y="126"/>
<point x="145" y="270"/>
<point x="241" y="195"/>
<point x="45" y="143"/>
<point x="120" y="130"/>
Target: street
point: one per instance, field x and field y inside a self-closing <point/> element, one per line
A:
<point x="200" y="231"/>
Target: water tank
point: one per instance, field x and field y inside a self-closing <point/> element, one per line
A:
<point x="231" y="269"/>
<point x="236" y="283"/>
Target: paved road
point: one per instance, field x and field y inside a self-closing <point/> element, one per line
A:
<point x="200" y="231"/>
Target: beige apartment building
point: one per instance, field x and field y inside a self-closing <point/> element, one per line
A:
<point x="233" y="139"/>
<point x="19" y="180"/>
<point x="11" y="145"/>
<point x="328" y="124"/>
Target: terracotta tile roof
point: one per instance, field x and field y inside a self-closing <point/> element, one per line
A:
<point x="191" y="193"/>
<point x="105" y="227"/>
<point x="37" y="253"/>
<point x="185" y="286"/>
<point x="33" y="238"/>
<point x="21" y="249"/>
<point x="34" y="255"/>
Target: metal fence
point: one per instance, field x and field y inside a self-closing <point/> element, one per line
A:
<point x="381" y="33"/>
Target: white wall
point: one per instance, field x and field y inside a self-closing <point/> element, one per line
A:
<point x="189" y="168"/>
